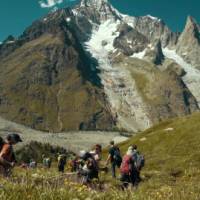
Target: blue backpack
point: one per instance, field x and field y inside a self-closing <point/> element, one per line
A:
<point x="139" y="160"/>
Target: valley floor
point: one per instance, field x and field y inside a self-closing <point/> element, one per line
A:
<point x="74" y="141"/>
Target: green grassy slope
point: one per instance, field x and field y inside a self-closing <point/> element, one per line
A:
<point x="171" y="170"/>
<point x="172" y="159"/>
<point x="167" y="150"/>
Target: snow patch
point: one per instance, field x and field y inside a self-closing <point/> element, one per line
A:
<point x="192" y="77"/>
<point x="153" y="18"/>
<point x="129" y="41"/>
<point x="10" y="42"/>
<point x="68" y="19"/>
<point x="131" y="21"/>
<point x="49" y="3"/>
<point x="139" y="55"/>
<point x="107" y="32"/>
<point x="121" y="91"/>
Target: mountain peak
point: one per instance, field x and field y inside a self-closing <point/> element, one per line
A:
<point x="97" y="11"/>
<point x="189" y="42"/>
<point x="95" y="3"/>
<point x="191" y="25"/>
<point x="190" y="20"/>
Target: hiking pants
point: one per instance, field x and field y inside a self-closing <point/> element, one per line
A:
<point x="135" y="177"/>
<point x="113" y="169"/>
<point x="125" y="179"/>
<point x="89" y="175"/>
<point x="61" y="168"/>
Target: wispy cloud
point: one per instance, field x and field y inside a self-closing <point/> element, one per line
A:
<point x="49" y="3"/>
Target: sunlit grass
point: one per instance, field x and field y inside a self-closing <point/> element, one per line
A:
<point x="171" y="172"/>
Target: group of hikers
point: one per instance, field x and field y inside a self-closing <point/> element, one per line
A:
<point x="86" y="164"/>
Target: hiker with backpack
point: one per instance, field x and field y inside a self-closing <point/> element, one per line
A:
<point x="61" y="162"/>
<point x="7" y="156"/>
<point x="114" y="158"/>
<point x="139" y="162"/>
<point x="96" y="153"/>
<point x="89" y="169"/>
<point x="46" y="161"/>
<point x="126" y="168"/>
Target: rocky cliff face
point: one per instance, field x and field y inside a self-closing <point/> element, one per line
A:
<point x="92" y="67"/>
<point x="155" y="29"/>
<point x="188" y="45"/>
<point x="47" y="82"/>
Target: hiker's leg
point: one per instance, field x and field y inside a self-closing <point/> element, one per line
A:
<point x="138" y="179"/>
<point x="113" y="166"/>
<point x="124" y="179"/>
<point x="133" y="177"/>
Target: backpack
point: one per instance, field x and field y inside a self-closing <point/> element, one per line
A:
<point x="92" y="164"/>
<point x="62" y="160"/>
<point x="125" y="166"/>
<point x="117" y="156"/>
<point x="140" y="161"/>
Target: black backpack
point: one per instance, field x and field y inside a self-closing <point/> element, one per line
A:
<point x="117" y="156"/>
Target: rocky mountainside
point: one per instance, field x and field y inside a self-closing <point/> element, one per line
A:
<point x="91" y="67"/>
<point x="188" y="45"/>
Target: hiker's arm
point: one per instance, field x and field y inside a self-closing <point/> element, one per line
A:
<point x="108" y="159"/>
<point x="4" y="162"/>
<point x="6" y="150"/>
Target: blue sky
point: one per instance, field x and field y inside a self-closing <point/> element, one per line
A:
<point x="16" y="15"/>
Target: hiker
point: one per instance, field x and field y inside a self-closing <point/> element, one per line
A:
<point x="46" y="161"/>
<point x="96" y="153"/>
<point x="33" y="164"/>
<point x="7" y="156"/>
<point x="114" y="158"/>
<point x="74" y="164"/>
<point x="139" y="162"/>
<point x="126" y="167"/>
<point x="89" y="168"/>
<point x="61" y="162"/>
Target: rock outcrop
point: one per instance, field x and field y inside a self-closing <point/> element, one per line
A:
<point x="188" y="45"/>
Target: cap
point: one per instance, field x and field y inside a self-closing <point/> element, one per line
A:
<point x="130" y="148"/>
<point x="82" y="153"/>
<point x="14" y="137"/>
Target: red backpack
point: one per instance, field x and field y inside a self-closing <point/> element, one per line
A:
<point x="126" y="165"/>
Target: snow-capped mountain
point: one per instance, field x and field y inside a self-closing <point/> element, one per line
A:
<point x="101" y="69"/>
